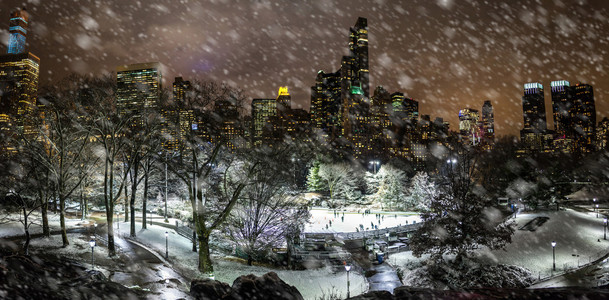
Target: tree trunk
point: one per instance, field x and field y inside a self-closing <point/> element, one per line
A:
<point x="46" y="231"/>
<point x="62" y="221"/>
<point x="289" y="243"/>
<point x="108" y="202"/>
<point x="82" y="205"/>
<point x="26" y="246"/>
<point x="249" y="259"/>
<point x="205" y="265"/>
<point x="132" y="202"/>
<point x="144" y="199"/>
<point x="126" y="205"/>
<point x="111" y="248"/>
<point x="54" y="201"/>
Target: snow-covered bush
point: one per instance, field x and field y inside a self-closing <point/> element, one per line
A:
<point x="469" y="275"/>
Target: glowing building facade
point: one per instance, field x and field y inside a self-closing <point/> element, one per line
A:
<point x="19" y="72"/>
<point x="18" y="32"/>
<point x="487" y="125"/>
<point x="469" y="130"/>
<point x="138" y="89"/>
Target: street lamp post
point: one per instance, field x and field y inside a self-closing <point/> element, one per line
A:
<point x="92" y="244"/>
<point x="166" y="245"/>
<point x="553" y="256"/>
<point x="597" y="210"/>
<point x="348" y="268"/>
<point x="166" y="221"/>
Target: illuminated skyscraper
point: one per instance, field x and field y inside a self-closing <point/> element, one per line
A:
<point x="284" y="100"/>
<point x="584" y="117"/>
<point x="534" y="108"/>
<point x="19" y="72"/>
<point x="138" y="89"/>
<point x="262" y="128"/>
<point x="533" y="134"/>
<point x="325" y="103"/>
<point x="602" y="134"/>
<point x="180" y="88"/>
<point x="469" y="130"/>
<point x="358" y="48"/>
<point x="561" y="107"/>
<point x="18" y="32"/>
<point x="332" y="96"/>
<point x="405" y="110"/>
<point x="574" y="116"/>
<point x="488" y="125"/>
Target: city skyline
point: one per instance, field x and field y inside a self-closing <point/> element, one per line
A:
<point x="424" y="50"/>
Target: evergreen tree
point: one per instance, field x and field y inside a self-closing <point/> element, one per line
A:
<point x="314" y="181"/>
<point x="420" y="192"/>
<point x="390" y="186"/>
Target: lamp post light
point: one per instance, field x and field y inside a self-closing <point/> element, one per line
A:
<point x="553" y="256"/>
<point x="605" y="229"/>
<point x="166" y="221"/>
<point x="92" y="244"/>
<point x="375" y="164"/>
<point x="597" y="210"/>
<point x="166" y="245"/>
<point x="348" y="268"/>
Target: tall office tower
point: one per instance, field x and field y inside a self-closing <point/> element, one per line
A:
<point x="381" y="108"/>
<point x="602" y="134"/>
<point x="331" y="96"/>
<point x="534" y="108"/>
<point x="177" y="119"/>
<point x="405" y="110"/>
<point x="563" y="116"/>
<point x="533" y="134"/>
<point x="358" y="48"/>
<point x="284" y="100"/>
<point x="18" y="32"/>
<point x="356" y="121"/>
<point x="180" y="88"/>
<point x="584" y="117"/>
<point x="561" y="107"/>
<point x="574" y="116"/>
<point x="468" y="126"/>
<point x="263" y="110"/>
<point x="325" y="103"/>
<point x="488" y="125"/>
<point x="230" y="131"/>
<point x="284" y="113"/>
<point x="19" y="72"/>
<point x="300" y="125"/>
<point x="138" y="88"/>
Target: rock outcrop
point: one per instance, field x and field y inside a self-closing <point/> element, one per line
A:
<point x="249" y="287"/>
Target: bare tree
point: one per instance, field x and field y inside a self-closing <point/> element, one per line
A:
<point x="60" y="145"/>
<point x="17" y="179"/>
<point x="461" y="217"/>
<point x="203" y="153"/>
<point x="108" y="128"/>
<point x="262" y="218"/>
<point x="338" y="178"/>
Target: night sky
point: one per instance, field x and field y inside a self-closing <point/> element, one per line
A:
<point x="447" y="54"/>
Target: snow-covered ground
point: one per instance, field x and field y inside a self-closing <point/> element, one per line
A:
<point x="578" y="236"/>
<point x="312" y="284"/>
<point x="320" y="217"/>
<point x="14" y="228"/>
